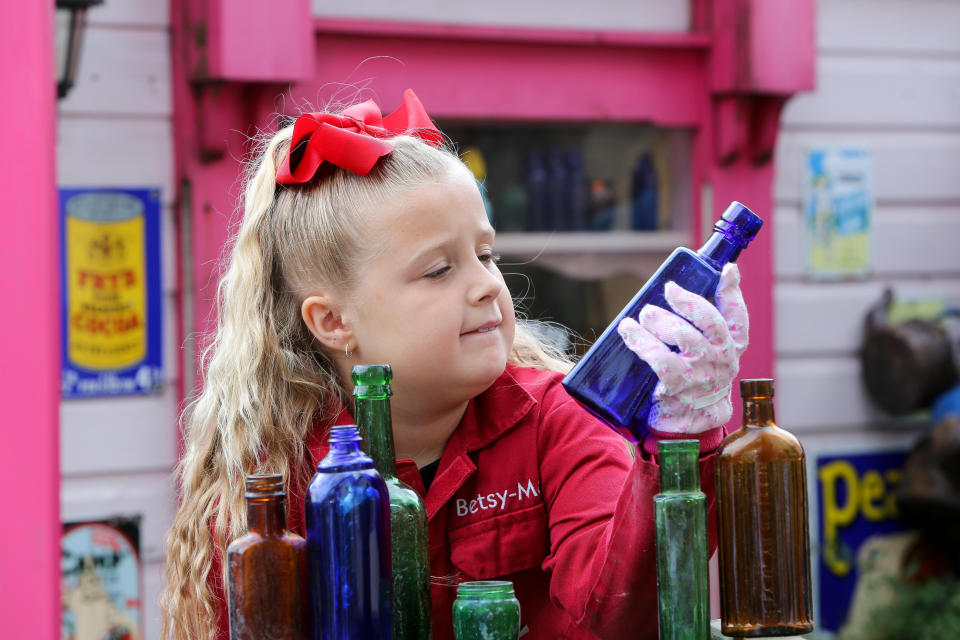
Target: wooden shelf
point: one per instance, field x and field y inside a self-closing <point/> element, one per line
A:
<point x="591" y="255"/>
<point x="534" y="244"/>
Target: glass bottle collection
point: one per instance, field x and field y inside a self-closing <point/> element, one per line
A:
<point x="365" y="563"/>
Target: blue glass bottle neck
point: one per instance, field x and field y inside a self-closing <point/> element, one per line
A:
<point x="720" y="249"/>
<point x="345" y="453"/>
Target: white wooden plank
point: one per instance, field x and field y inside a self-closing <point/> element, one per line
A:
<point x="868" y="91"/>
<point x="788" y="252"/>
<point x="621" y="15"/>
<point x="149" y="495"/>
<point x="171" y="344"/>
<point x="120" y="434"/>
<point x="828" y="318"/>
<point x="908" y="166"/>
<point x="168" y="249"/>
<point x="116" y="152"/>
<point x="134" y="13"/>
<point x="821" y="393"/>
<point x="122" y="72"/>
<point x="907" y="241"/>
<point x="903" y="26"/>
<point x="154" y="580"/>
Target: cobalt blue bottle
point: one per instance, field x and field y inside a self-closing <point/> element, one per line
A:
<point x="610" y="380"/>
<point x="348" y="544"/>
<point x="535" y="181"/>
<point x="645" y="195"/>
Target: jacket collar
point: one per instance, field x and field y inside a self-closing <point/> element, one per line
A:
<point x="491" y="414"/>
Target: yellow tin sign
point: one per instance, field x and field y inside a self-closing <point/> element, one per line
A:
<point x="107" y="284"/>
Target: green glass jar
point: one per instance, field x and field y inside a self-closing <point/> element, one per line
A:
<point x="486" y="610"/>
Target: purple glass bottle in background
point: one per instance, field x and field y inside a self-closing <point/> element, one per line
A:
<point x="610" y="380"/>
<point x="348" y="544"/>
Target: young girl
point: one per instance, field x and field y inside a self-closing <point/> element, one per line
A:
<point x="363" y="240"/>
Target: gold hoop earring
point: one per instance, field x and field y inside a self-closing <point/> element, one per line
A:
<point x="346" y="350"/>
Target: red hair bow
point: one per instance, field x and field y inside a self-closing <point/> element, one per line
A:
<point x="352" y="140"/>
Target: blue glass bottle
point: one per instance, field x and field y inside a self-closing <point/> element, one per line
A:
<point x="348" y="544"/>
<point x="610" y="380"/>
<point x="645" y="194"/>
<point x="578" y="191"/>
<point x="535" y="181"/>
<point x="558" y="188"/>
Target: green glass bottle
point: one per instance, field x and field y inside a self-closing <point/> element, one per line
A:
<point x="486" y="610"/>
<point x="681" y="519"/>
<point x="408" y="516"/>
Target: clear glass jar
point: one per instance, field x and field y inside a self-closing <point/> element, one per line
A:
<point x="486" y="610"/>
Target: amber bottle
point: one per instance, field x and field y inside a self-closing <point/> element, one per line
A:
<point x="764" y="539"/>
<point x="266" y="580"/>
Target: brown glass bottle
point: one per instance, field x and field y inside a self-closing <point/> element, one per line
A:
<point x="266" y="580"/>
<point x="764" y="538"/>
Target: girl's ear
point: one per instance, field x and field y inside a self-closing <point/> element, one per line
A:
<point x="323" y="317"/>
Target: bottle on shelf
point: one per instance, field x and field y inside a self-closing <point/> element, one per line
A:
<point x="601" y="205"/>
<point x="535" y="181"/>
<point x="645" y="200"/>
<point x="348" y="543"/>
<point x="558" y="192"/>
<point x="486" y="610"/>
<point x="764" y="544"/>
<point x="266" y="568"/>
<point x="680" y="512"/>
<point x="577" y="192"/>
<point x="410" y="558"/>
<point x="610" y="380"/>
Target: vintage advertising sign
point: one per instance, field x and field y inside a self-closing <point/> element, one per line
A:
<point x="112" y="297"/>
<point x="856" y="516"/>
<point x="100" y="575"/>
<point x="838" y="199"/>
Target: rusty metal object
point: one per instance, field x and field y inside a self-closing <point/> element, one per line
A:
<point x="905" y="366"/>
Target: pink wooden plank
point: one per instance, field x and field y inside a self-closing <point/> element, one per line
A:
<point x="29" y="328"/>
<point x="497" y="80"/>
<point x="527" y="35"/>
<point x="251" y="40"/>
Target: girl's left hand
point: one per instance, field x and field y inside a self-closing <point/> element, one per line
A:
<point x="693" y="394"/>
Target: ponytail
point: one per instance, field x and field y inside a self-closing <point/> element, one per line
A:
<point x="265" y="381"/>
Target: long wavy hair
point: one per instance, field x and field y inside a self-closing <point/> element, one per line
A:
<point x="266" y="377"/>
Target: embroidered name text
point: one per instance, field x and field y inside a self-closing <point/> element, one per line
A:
<point x="496" y="500"/>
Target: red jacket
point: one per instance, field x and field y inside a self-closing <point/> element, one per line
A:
<point x="533" y="489"/>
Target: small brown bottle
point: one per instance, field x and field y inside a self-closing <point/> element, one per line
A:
<point x="764" y="538"/>
<point x="266" y="581"/>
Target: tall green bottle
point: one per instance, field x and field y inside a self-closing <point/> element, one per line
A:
<point x="408" y="516"/>
<point x="681" y="518"/>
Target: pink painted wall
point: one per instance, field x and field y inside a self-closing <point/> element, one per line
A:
<point x="723" y="80"/>
<point x="29" y="328"/>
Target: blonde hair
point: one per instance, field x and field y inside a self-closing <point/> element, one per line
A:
<point x="267" y="379"/>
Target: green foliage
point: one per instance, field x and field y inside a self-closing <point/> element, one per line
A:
<point x="928" y="610"/>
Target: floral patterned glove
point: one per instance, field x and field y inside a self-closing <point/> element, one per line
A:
<point x="693" y="395"/>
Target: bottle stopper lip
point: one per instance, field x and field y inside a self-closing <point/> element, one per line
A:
<point x="266" y="485"/>
<point x="371" y="380"/>
<point x="756" y="388"/>
<point x="740" y="222"/>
